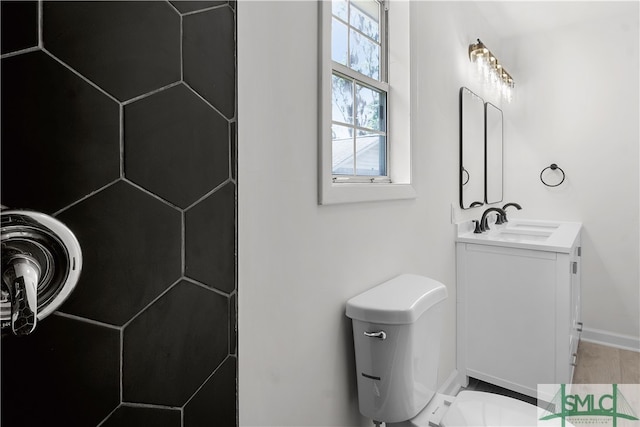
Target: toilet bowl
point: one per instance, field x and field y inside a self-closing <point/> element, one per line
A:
<point x="473" y="408"/>
<point x="397" y="327"/>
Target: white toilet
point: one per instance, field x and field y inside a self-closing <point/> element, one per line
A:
<point x="397" y="327"/>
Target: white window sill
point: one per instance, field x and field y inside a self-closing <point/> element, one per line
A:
<point x="336" y="193"/>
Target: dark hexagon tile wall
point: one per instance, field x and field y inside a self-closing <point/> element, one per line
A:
<point x="18" y="25"/>
<point x="209" y="49"/>
<point x="48" y="115"/>
<point x="68" y="371"/>
<point x="64" y="101"/>
<point x="129" y="416"/>
<point x="116" y="285"/>
<point x="138" y="43"/>
<point x="186" y="327"/>
<point x="191" y="6"/>
<point x="209" y="232"/>
<point x="176" y="145"/>
<point x="219" y="388"/>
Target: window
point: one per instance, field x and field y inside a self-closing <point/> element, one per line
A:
<point x="364" y="131"/>
<point x="358" y="90"/>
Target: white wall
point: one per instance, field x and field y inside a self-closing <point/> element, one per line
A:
<point x="299" y="262"/>
<point x="578" y="106"/>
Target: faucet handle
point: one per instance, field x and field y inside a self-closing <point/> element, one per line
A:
<point x="476" y="227"/>
<point x="20" y="275"/>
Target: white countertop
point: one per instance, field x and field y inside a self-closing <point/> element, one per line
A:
<point x="541" y="235"/>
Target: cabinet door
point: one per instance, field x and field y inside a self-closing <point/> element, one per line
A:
<point x="510" y="316"/>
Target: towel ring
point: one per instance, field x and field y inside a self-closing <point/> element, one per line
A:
<point x="553" y="167"/>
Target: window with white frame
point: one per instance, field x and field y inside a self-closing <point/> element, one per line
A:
<point x="358" y="90"/>
<point x="364" y="131"/>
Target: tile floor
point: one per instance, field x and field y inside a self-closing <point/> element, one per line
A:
<point x="597" y="364"/>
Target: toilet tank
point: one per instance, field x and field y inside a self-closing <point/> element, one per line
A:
<point x="396" y="331"/>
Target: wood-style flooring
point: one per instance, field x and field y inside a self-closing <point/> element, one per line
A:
<point x="596" y="364"/>
<point x="599" y="364"/>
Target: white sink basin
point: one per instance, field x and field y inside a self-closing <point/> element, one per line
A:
<point x="555" y="236"/>
<point x="522" y="235"/>
<point x="533" y="225"/>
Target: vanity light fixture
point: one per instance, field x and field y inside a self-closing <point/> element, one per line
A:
<point x="492" y="72"/>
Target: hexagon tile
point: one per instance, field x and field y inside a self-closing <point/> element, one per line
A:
<point x="18" y="25"/>
<point x="219" y="388"/>
<point x="172" y="346"/>
<point x="126" y="48"/>
<point x="209" y="232"/>
<point x="209" y="50"/>
<point x="140" y="162"/>
<point x="67" y="370"/>
<point x="176" y="145"/>
<point x="48" y="115"/>
<point x="131" y="249"/>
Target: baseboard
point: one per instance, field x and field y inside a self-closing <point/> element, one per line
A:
<point x="450" y="386"/>
<point x="611" y="339"/>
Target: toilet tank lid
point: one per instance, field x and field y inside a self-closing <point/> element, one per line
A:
<point x="400" y="300"/>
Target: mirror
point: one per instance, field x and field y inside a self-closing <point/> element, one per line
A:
<point x="472" y="163"/>
<point x="493" y="153"/>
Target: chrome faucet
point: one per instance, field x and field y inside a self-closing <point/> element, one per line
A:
<point x="504" y="208"/>
<point x="39" y="267"/>
<point x="484" y="223"/>
<point x="21" y="273"/>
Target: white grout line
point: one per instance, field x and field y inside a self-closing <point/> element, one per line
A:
<point x="209" y="193"/>
<point x="153" y="92"/>
<point x="206" y="380"/>
<point x="40" y="24"/>
<point x="152" y="194"/>
<point x="194" y="12"/>
<point x="82" y="199"/>
<point x="183" y="243"/>
<point x="86" y="320"/>
<point x="67" y="66"/>
<point x="108" y="415"/>
<point x="150" y="406"/>
<point x="153" y="301"/>
<point x="121" y="364"/>
<point x="20" y="52"/>
<point x="121" y="138"/>
<point x="181" y="48"/>
<point x="204" y="286"/>
<point x="207" y="102"/>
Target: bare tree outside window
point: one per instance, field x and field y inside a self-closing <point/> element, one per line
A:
<point x="358" y="102"/>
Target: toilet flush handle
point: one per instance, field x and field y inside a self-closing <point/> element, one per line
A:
<point x="380" y="335"/>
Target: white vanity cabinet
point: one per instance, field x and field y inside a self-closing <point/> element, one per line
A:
<point x="518" y="312"/>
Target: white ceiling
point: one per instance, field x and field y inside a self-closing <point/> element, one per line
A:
<point x="515" y="18"/>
